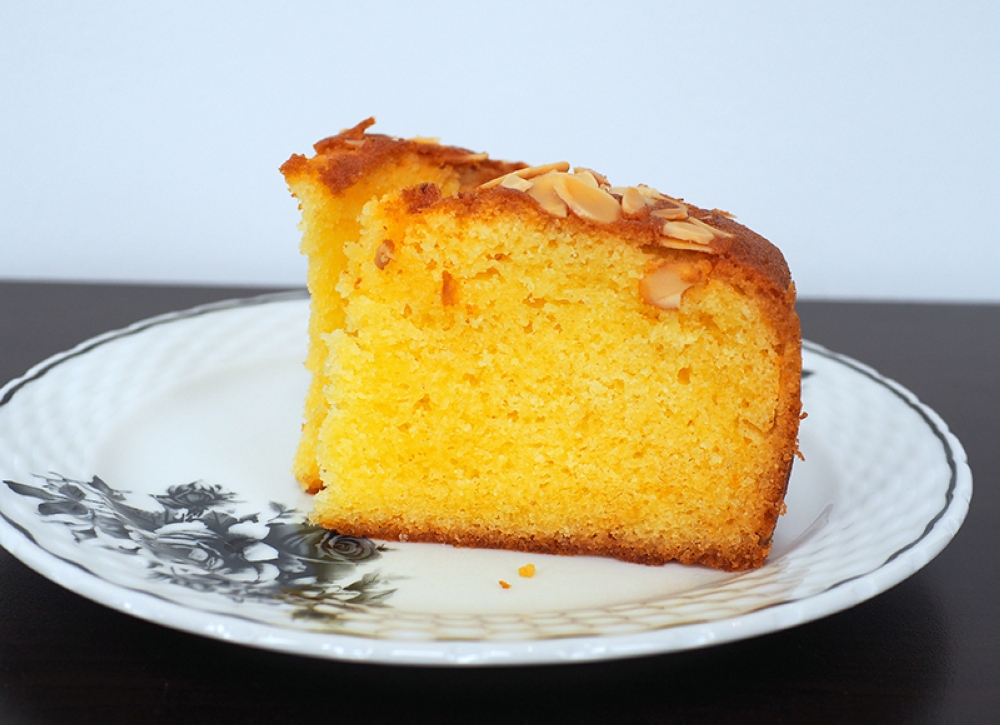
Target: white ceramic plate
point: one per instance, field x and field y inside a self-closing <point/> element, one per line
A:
<point x="148" y="469"/>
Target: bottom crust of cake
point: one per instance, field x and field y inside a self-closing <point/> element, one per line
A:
<point x="750" y="553"/>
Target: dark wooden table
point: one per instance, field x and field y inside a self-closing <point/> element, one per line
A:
<point x="927" y="651"/>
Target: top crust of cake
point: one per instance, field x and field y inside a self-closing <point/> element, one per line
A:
<point x="737" y="244"/>
<point x="353" y="154"/>
<point x="655" y="221"/>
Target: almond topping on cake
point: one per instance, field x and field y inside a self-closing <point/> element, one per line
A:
<point x="588" y="195"/>
<point x="585" y="200"/>
<point x="686" y="232"/>
<point x="665" y="285"/>
<point x="529" y="172"/>
<point x="543" y="191"/>
<point x="633" y="202"/>
<point x="676" y="210"/>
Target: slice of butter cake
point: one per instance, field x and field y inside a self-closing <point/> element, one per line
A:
<point x="532" y="359"/>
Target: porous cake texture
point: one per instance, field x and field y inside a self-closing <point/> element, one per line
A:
<point x="547" y="363"/>
<point x="346" y="172"/>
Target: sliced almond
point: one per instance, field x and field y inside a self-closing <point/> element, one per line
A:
<point x="512" y="181"/>
<point x="649" y="192"/>
<point x="702" y="225"/>
<point x="586" y="201"/>
<point x="676" y="212"/>
<point x="543" y="192"/>
<point x="587" y="176"/>
<point x="529" y="172"/>
<point x="496" y="182"/>
<point x="664" y="287"/>
<point x="533" y="171"/>
<point x="601" y="179"/>
<point x="633" y="202"/>
<point x="687" y="232"/>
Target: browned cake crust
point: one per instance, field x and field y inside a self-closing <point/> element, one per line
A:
<point x="603" y="544"/>
<point x="352" y="154"/>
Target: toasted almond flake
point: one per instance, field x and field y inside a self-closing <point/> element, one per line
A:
<point x="587" y="176"/>
<point x="670" y="213"/>
<point x="687" y="232"/>
<point x="533" y="171"/>
<point x="355" y="142"/>
<point x="358" y="131"/>
<point x="644" y="191"/>
<point x="601" y="179"/>
<point x="663" y="288"/>
<point x="678" y="211"/>
<point x="432" y="140"/>
<point x="633" y="202"/>
<point x="529" y="172"/>
<point x="512" y="181"/>
<point x="543" y="192"/>
<point x="504" y="585"/>
<point x="586" y="201"/>
<point x="650" y="193"/>
<point x="702" y="225"/>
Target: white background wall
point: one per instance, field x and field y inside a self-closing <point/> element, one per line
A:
<point x="139" y="141"/>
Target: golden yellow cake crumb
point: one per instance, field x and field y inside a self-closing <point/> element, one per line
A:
<point x="504" y="585"/>
<point x="543" y="362"/>
<point x="347" y="171"/>
<point x="527" y="571"/>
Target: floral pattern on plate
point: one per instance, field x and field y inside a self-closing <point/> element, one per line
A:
<point x="194" y="541"/>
